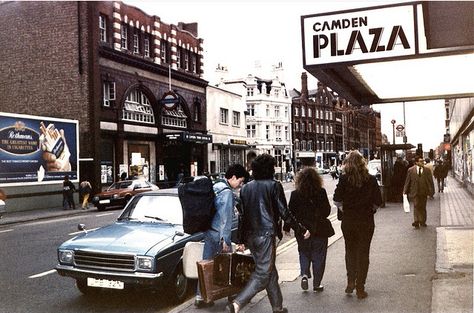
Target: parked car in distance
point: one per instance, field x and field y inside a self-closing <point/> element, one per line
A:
<point x="119" y="193"/>
<point x="142" y="249"/>
<point x="322" y="171"/>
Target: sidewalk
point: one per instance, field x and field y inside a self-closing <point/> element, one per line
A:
<point x="415" y="271"/>
<point x="428" y="270"/>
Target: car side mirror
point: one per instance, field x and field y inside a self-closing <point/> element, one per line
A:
<point x="177" y="233"/>
<point x="82" y="227"/>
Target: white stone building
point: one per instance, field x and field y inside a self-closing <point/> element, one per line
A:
<point x="226" y="123"/>
<point x="268" y="116"/>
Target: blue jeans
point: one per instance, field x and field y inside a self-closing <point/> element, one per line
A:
<point x="212" y="247"/>
<point x="313" y="251"/>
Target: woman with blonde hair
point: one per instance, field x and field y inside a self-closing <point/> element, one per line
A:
<point x="358" y="197"/>
<point x="310" y="205"/>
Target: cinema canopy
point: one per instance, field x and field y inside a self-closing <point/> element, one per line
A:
<point x="392" y="53"/>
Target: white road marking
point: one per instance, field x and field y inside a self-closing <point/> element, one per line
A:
<point x="5" y="230"/>
<point x="104" y="214"/>
<point x="43" y="274"/>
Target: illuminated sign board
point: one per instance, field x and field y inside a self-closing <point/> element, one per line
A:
<point x="359" y="35"/>
<point x="35" y="150"/>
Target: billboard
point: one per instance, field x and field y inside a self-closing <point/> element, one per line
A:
<point x="36" y="150"/>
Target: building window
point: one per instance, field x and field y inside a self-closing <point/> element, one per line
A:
<point x="297" y="111"/>
<point x="108" y="90"/>
<point x="137" y="108"/>
<point x="278" y="133"/>
<point x="123" y="37"/>
<point x="165" y="52"/>
<point x="287" y="134"/>
<point x="267" y="132"/>
<point x="224" y="116"/>
<point x="251" y="109"/>
<point x="310" y="112"/>
<point x="197" y="111"/>
<point x="297" y="126"/>
<point x="286" y="112"/>
<point x="146" y="47"/>
<point x="179" y="52"/>
<point x="103" y="28"/>
<point x="186" y="60"/>
<point x="297" y="145"/>
<point x="310" y="145"/>
<point x="136" y="47"/>
<point x="267" y="111"/>
<point x="249" y="91"/>
<point x="277" y="111"/>
<point x="193" y="63"/>
<point x="310" y="127"/>
<point x="235" y="118"/>
<point x="303" y="113"/>
<point x="277" y="92"/>
<point x="303" y="145"/>
<point x="251" y="131"/>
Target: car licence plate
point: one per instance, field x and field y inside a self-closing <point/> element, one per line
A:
<point x="104" y="201"/>
<point x="104" y="283"/>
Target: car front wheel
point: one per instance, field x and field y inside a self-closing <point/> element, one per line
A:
<point x="179" y="285"/>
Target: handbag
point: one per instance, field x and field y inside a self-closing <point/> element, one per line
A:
<point x="324" y="228"/>
<point x="406" y="204"/>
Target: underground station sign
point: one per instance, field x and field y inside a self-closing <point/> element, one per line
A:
<point x="358" y="35"/>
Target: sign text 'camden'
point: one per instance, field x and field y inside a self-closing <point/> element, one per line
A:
<point x="366" y="40"/>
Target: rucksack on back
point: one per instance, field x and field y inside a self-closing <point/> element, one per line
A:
<point x="197" y="202"/>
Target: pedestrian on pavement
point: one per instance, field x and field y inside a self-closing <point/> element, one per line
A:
<point x="263" y="206"/>
<point x="85" y="190"/>
<point x="440" y="173"/>
<point x="310" y="205"/>
<point x="398" y="179"/>
<point x="68" y="194"/>
<point x="218" y="238"/>
<point x="357" y="197"/>
<point x="418" y="186"/>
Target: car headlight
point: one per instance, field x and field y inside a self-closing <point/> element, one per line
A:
<point x="145" y="263"/>
<point x="66" y="256"/>
<point x="95" y="199"/>
<point x="115" y="196"/>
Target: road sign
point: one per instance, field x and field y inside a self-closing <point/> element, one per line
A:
<point x="399" y="128"/>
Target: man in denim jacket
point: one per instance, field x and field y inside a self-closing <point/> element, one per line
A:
<point x="218" y="238"/>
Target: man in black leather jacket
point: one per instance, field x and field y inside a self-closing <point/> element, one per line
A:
<point x="263" y="206"/>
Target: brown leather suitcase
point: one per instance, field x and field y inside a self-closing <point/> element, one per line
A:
<point x="233" y="269"/>
<point x="209" y="290"/>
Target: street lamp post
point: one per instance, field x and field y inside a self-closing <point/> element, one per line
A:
<point x="393" y="127"/>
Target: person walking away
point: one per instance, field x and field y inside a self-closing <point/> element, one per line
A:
<point x="310" y="205"/>
<point x="440" y="172"/>
<point x="263" y="206"/>
<point x="85" y="190"/>
<point x="398" y="179"/>
<point x="357" y="196"/>
<point x="68" y="194"/>
<point x="418" y="186"/>
<point x="218" y="238"/>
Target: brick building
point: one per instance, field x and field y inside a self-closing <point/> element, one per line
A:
<point x="133" y="82"/>
<point x="326" y="125"/>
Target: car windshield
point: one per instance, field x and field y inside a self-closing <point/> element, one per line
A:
<point x="120" y="185"/>
<point x="155" y="208"/>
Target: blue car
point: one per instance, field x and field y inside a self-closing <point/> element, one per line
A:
<point x="142" y="249"/>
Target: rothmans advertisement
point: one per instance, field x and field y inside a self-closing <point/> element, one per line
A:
<point x="35" y="150"/>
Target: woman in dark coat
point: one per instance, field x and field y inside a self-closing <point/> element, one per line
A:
<point x="310" y="206"/>
<point x="357" y="196"/>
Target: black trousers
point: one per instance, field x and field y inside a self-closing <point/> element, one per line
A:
<point x="357" y="239"/>
<point x="265" y="276"/>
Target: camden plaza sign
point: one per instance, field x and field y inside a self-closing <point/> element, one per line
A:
<point x="359" y="35"/>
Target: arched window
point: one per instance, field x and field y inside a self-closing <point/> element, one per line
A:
<point x="137" y="108"/>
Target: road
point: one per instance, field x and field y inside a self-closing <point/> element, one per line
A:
<point x="29" y="283"/>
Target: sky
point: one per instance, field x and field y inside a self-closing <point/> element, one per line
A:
<point x="241" y="34"/>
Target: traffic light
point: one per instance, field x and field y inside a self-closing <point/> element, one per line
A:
<point x="419" y="150"/>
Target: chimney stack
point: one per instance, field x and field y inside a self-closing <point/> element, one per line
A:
<point x="304" y="85"/>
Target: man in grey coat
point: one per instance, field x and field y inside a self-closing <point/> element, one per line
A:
<point x="418" y="186"/>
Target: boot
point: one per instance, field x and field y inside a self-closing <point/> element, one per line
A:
<point x="361" y="293"/>
<point x="350" y="286"/>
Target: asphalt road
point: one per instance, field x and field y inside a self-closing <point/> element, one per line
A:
<point x="29" y="283"/>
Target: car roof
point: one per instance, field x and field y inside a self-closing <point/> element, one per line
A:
<point x="168" y="191"/>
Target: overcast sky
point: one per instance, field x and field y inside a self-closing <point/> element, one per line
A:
<point x="239" y="34"/>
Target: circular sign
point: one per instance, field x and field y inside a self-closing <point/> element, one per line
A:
<point x="169" y="100"/>
<point x="400" y="128"/>
<point x="393" y="121"/>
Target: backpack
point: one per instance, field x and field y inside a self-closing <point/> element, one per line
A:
<point x="197" y="201"/>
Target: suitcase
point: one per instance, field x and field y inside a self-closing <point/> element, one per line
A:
<point x="233" y="269"/>
<point x="191" y="255"/>
<point x="209" y="290"/>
